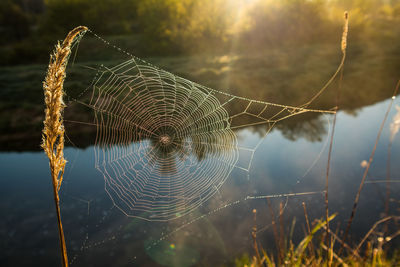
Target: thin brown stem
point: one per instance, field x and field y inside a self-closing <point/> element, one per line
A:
<point x="254" y="236"/>
<point x="353" y="211"/>
<point x="311" y="246"/>
<point x="281" y="227"/>
<point x="370" y="232"/>
<point x="341" y="242"/>
<point x="387" y="197"/>
<point x="343" y="48"/>
<point x="276" y="235"/>
<point x="60" y="228"/>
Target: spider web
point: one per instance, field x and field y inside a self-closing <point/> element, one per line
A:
<point x="165" y="144"/>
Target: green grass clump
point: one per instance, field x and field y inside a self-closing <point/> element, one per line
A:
<point x="312" y="249"/>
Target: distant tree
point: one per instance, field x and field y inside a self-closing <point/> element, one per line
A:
<point x="288" y="21"/>
<point x="177" y="25"/>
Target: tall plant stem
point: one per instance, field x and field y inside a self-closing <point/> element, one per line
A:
<point x="53" y="131"/>
<point x="343" y="48"/>
<point x="60" y="228"/>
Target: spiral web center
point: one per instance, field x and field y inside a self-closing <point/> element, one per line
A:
<point x="165" y="139"/>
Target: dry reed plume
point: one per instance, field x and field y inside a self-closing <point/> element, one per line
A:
<point x="53" y="131"/>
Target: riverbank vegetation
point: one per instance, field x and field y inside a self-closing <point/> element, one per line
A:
<point x="174" y="27"/>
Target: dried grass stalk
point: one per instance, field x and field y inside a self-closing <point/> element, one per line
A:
<point x="345" y="31"/>
<point x="53" y="131"/>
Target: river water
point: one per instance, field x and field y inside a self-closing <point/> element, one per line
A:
<point x="98" y="233"/>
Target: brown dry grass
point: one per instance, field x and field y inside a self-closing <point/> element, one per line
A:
<point x="53" y="131"/>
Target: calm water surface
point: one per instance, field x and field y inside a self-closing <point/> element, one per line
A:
<point x="99" y="234"/>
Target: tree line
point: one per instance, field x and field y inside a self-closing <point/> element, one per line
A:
<point x="28" y="27"/>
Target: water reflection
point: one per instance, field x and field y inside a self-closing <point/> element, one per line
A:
<point x="289" y="76"/>
<point x="114" y="238"/>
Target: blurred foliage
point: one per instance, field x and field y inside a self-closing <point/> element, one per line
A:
<point x="184" y="25"/>
<point x="189" y="26"/>
<point x="14" y="22"/>
<point x="106" y="16"/>
<point x="292" y="21"/>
